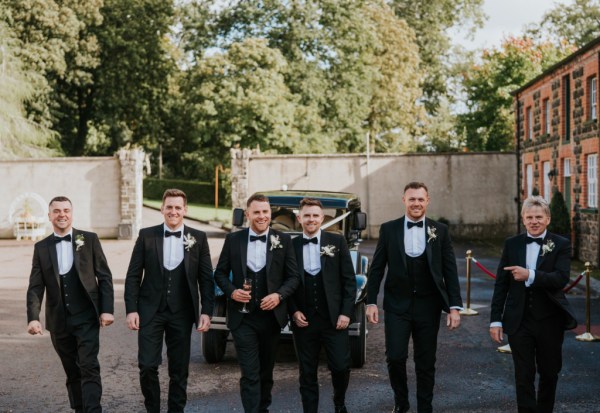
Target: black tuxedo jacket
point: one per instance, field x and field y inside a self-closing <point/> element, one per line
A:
<point x="282" y="273"/>
<point x="338" y="278"/>
<point x="144" y="281"/>
<point x="94" y="274"/>
<point x="552" y="274"/>
<point x="390" y="253"/>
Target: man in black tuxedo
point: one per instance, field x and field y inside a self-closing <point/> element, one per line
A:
<point x="169" y="264"/>
<point x="71" y="268"/>
<point x="267" y="257"/>
<point x="322" y="306"/>
<point x="421" y="281"/>
<point x="530" y="306"/>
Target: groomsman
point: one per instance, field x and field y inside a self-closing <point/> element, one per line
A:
<point x="322" y="306"/>
<point x="71" y="268"/>
<point x="169" y="276"/>
<point x="529" y="305"/>
<point x="267" y="258"/>
<point x="421" y="281"/>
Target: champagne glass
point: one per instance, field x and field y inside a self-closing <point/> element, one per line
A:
<point x="247" y="286"/>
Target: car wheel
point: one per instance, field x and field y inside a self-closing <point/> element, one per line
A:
<point x="214" y="342"/>
<point x="358" y="343"/>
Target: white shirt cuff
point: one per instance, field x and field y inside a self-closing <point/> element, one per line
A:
<point x="496" y="324"/>
<point x="531" y="278"/>
<point x="456" y="308"/>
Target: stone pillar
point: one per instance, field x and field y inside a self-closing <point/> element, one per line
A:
<point x="132" y="176"/>
<point x="240" y="160"/>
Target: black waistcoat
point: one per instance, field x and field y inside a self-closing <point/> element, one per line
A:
<point x="421" y="280"/>
<point x="75" y="297"/>
<point x="314" y="292"/>
<point x="176" y="292"/>
<point x="538" y="305"/>
<point x="259" y="287"/>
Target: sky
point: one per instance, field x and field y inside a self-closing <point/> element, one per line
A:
<point x="506" y="17"/>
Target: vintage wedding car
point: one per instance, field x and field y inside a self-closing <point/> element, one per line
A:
<point x="342" y="216"/>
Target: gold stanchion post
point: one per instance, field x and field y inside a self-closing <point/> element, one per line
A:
<point x="587" y="336"/>
<point x="468" y="310"/>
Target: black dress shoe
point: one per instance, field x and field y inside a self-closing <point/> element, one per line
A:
<point x="341" y="409"/>
<point x="400" y="409"/>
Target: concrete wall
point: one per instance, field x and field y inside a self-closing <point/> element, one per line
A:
<point x="103" y="191"/>
<point x="476" y="192"/>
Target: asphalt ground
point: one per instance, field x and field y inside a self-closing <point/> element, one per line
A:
<point x="471" y="375"/>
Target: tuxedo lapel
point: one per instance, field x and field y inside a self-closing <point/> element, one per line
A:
<point x="53" y="257"/>
<point x="324" y="242"/>
<point x="540" y="257"/>
<point x="269" y="252"/>
<point x="400" y="234"/>
<point x="75" y="252"/>
<point x="159" y="240"/>
<point x="428" y="245"/>
<point x="244" y="251"/>
<point x="522" y="251"/>
<point x="299" y="246"/>
<point x="186" y="256"/>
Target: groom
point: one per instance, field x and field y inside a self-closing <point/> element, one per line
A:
<point x="169" y="276"/>
<point x="529" y="305"/>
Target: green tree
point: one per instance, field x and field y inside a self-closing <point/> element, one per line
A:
<point x="56" y="41"/>
<point x="19" y="136"/>
<point x="431" y="20"/>
<point x="489" y="120"/>
<point x="577" y="23"/>
<point x="561" y="219"/>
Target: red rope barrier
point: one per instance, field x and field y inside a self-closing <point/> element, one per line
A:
<point x="566" y="289"/>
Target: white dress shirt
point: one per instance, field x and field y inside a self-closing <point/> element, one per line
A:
<point x="64" y="253"/>
<point x="311" y="254"/>
<point x="257" y="252"/>
<point x="414" y="239"/>
<point x="172" y="248"/>
<point x="533" y="252"/>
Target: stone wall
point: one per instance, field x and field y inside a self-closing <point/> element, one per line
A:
<point x="106" y="193"/>
<point x="586" y="244"/>
<point x="475" y="192"/>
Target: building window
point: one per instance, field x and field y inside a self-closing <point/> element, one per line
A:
<point x="529" y="123"/>
<point x="529" y="183"/>
<point x="546" y="169"/>
<point x="567" y="167"/>
<point x="547" y="116"/>
<point x="592" y="162"/>
<point x="593" y="90"/>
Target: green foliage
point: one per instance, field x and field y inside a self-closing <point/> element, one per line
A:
<point x="19" y="136"/>
<point x="196" y="192"/>
<point x="489" y="120"/>
<point x="431" y="21"/>
<point x="560" y="222"/>
<point x="576" y="23"/>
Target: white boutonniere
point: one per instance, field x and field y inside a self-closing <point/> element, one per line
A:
<point x="547" y="247"/>
<point x="275" y="242"/>
<point x="328" y="250"/>
<point x="431" y="233"/>
<point x="79" y="241"/>
<point x="188" y="241"/>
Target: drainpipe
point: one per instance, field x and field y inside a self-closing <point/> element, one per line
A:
<point x="518" y="151"/>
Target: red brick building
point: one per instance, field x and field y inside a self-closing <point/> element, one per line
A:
<point x="557" y="141"/>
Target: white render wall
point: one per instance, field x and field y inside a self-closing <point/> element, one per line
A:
<point x="94" y="185"/>
<point x="476" y="192"/>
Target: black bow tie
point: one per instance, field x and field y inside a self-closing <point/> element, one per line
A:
<point x="412" y="224"/>
<point x="175" y="234"/>
<point x="65" y="238"/>
<point x="314" y="240"/>
<point x="262" y="238"/>
<point x="538" y="240"/>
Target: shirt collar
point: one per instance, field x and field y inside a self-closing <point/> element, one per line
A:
<point x="166" y="228"/>
<point x="68" y="233"/>
<point x="407" y="220"/>
<point x="251" y="232"/>
<point x="541" y="236"/>
<point x="318" y="236"/>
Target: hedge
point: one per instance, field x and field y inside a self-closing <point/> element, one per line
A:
<point x="197" y="192"/>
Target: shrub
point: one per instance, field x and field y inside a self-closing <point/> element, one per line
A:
<point x="560" y="222"/>
<point x="197" y="192"/>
